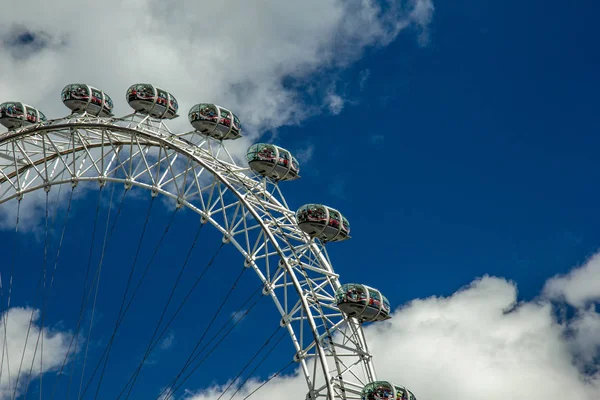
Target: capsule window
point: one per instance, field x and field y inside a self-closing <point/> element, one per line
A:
<point x="345" y="224"/>
<point x="375" y="295"/>
<point x="66" y="93"/>
<point x="143" y="92"/>
<point x="316" y="212"/>
<point x="381" y="390"/>
<point x="162" y="97"/>
<point x="267" y="152"/>
<point x="80" y="92"/>
<point x="193" y="114"/>
<point x="284" y="157"/>
<point x="31" y="115"/>
<point x="251" y="153"/>
<point x="208" y="111"/>
<point x="303" y="213"/>
<point x="355" y="293"/>
<point x="225" y="117"/>
<point x="19" y="111"/>
<point x="131" y="93"/>
<point x="386" y="304"/>
<point x="96" y="97"/>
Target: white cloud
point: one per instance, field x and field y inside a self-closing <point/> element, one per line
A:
<point x="168" y="342"/>
<point x="233" y="53"/>
<point x="335" y="103"/>
<point x="363" y="76"/>
<point x="305" y="154"/>
<point x="238" y="316"/>
<point x="259" y="61"/>
<point x="479" y="343"/>
<point x="422" y="13"/>
<point x="56" y="345"/>
<point x="578" y="287"/>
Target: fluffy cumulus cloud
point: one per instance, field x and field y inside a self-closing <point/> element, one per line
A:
<point x="579" y="287"/>
<point x="271" y="62"/>
<point x="263" y="60"/>
<point x="483" y="343"/>
<point x="21" y="354"/>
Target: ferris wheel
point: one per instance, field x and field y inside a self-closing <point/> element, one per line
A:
<point x="193" y="170"/>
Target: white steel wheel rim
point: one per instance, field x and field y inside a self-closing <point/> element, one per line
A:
<point x="46" y="155"/>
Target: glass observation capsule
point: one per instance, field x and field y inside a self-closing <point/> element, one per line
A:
<point x="214" y="121"/>
<point x="362" y="302"/>
<point x="273" y="162"/>
<point x="323" y="222"/>
<point x="82" y="98"/>
<point x="15" y="115"/>
<point x="382" y="390"/>
<point x="156" y="102"/>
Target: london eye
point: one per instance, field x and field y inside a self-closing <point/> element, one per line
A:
<point x="136" y="163"/>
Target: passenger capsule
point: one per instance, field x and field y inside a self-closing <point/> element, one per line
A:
<point x="362" y="302"/>
<point x="323" y="222"/>
<point x="382" y="390"/>
<point x="15" y="115"/>
<point x="148" y="99"/>
<point x="82" y="98"/>
<point x="273" y="162"/>
<point x="215" y="121"/>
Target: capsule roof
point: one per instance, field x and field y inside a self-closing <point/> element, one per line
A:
<point x="273" y="162"/>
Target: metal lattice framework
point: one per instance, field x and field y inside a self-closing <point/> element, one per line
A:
<point x="247" y="209"/>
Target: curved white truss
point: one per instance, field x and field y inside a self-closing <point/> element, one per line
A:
<point x="249" y="210"/>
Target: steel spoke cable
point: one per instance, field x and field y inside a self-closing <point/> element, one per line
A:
<point x="107" y="236"/>
<point x="44" y="268"/>
<point x="14" y="395"/>
<point x="85" y="297"/>
<point x="41" y="285"/>
<point x="137" y="253"/>
<point x="151" y="345"/>
<point x="213" y="348"/>
<point x="5" y="316"/>
<point x="57" y="201"/>
<point x="233" y="316"/>
<point x="269" y="380"/>
<point x="210" y="324"/>
<point x="257" y="366"/>
<point x="252" y="360"/>
<point x="185" y="299"/>
<point x="135" y="291"/>
<point x="303" y="270"/>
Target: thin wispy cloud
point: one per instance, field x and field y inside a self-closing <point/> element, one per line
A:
<point x="363" y="76"/>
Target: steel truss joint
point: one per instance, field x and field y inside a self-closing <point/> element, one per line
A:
<point x="268" y="289"/>
<point x="299" y="356"/>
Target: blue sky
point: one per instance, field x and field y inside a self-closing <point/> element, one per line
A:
<point x="466" y="146"/>
<point x="478" y="151"/>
